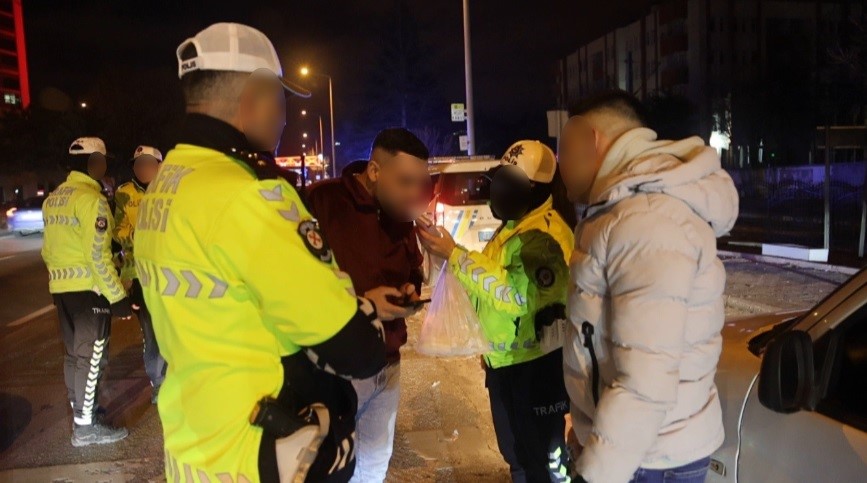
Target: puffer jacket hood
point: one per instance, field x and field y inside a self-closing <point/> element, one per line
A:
<point x="686" y="169"/>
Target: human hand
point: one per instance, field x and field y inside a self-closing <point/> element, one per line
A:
<point x="441" y="246"/>
<point x="385" y="309"/>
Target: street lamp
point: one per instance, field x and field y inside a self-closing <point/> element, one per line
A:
<point x="305" y="71"/>
<point x="84" y="105"/>
<point x="304" y="135"/>
<point x="303" y="112"/>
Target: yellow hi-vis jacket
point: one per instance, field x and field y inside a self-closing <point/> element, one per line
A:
<point x="126" y="199"/>
<point x="520" y="278"/>
<point x="77" y="245"/>
<point x="236" y="275"/>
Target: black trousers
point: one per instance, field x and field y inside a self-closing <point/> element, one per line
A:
<point x="154" y="364"/>
<point x="85" y="325"/>
<point x="528" y="403"/>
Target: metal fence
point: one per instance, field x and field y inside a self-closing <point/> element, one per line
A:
<point x="786" y="205"/>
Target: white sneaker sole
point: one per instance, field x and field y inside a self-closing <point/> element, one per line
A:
<point x="78" y="443"/>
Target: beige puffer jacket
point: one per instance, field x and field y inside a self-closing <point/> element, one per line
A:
<point x="647" y="290"/>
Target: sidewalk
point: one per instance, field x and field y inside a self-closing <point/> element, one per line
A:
<point x="444" y="430"/>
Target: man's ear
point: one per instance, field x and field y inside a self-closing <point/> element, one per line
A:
<point x="373" y="169"/>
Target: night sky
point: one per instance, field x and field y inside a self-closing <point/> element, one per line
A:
<point x="515" y="46"/>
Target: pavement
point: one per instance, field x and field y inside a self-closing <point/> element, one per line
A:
<point x="444" y="430"/>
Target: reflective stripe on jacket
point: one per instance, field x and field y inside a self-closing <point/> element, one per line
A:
<point x="521" y="272"/>
<point x="77" y="244"/>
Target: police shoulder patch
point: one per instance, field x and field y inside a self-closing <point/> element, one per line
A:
<point x="314" y="241"/>
<point x="545" y="277"/>
<point x="101" y="224"/>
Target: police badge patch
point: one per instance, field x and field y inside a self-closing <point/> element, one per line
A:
<point x="314" y="241"/>
<point x="101" y="224"/>
<point x="545" y="277"/>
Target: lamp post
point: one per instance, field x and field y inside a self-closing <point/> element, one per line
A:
<point x="306" y="72"/>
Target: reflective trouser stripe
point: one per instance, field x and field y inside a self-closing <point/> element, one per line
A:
<point x="90" y="387"/>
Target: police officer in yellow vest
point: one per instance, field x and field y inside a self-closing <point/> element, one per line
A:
<point x="84" y="284"/>
<point x="518" y="284"/>
<point x="250" y="310"/>
<point x="145" y="163"/>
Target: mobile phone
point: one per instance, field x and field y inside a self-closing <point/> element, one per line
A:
<point x="416" y="304"/>
<point x="406" y="303"/>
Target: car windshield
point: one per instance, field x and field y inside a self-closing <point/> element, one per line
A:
<point x="32" y="203"/>
<point x="460" y="189"/>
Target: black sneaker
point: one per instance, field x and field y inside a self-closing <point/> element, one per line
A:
<point x="97" y="433"/>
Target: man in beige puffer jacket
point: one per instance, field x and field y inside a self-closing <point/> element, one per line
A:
<point x="646" y="298"/>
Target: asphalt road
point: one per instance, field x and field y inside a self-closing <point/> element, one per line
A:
<point x="36" y="421"/>
<point x="23" y="278"/>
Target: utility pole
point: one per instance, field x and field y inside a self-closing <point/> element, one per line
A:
<point x="468" y="71"/>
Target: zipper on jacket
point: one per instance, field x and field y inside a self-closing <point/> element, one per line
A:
<point x="587" y="331"/>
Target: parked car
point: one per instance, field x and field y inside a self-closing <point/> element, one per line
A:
<point x="793" y="388"/>
<point x="26" y="217"/>
<point x="460" y="206"/>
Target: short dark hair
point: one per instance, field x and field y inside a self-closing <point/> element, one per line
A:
<point x="202" y="85"/>
<point x="619" y="101"/>
<point x="398" y="139"/>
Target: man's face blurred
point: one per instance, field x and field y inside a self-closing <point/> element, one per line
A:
<point x="145" y="168"/>
<point x="97" y="165"/>
<point x="401" y="183"/>
<point x="579" y="158"/>
<point x="263" y="111"/>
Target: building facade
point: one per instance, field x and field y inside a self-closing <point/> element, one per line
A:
<point x="14" y="81"/>
<point x="705" y="49"/>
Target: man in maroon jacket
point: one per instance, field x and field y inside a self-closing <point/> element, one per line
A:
<point x="366" y="216"/>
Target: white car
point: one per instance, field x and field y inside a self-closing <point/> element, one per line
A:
<point x="460" y="205"/>
<point x="794" y="393"/>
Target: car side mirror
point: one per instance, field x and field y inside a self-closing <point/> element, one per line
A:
<point x="786" y="379"/>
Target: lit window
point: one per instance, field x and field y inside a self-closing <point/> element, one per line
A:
<point x="10" y="99"/>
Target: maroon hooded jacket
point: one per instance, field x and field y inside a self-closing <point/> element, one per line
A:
<point x="372" y="248"/>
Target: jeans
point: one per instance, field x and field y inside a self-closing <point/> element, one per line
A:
<point x="694" y="472"/>
<point x="154" y="364"/>
<point x="378" y="397"/>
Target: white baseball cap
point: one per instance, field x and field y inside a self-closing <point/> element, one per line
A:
<point x="232" y="47"/>
<point x="535" y="159"/>
<point x="87" y="145"/>
<point x="149" y="150"/>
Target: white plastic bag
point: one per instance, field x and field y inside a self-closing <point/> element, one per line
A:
<point x="451" y="327"/>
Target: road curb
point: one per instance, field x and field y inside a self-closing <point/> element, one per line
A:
<point x="744" y="305"/>
<point x="789" y="261"/>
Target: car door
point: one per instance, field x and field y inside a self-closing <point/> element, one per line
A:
<point x="829" y="444"/>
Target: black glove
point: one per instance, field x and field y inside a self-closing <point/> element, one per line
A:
<point x="121" y="308"/>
